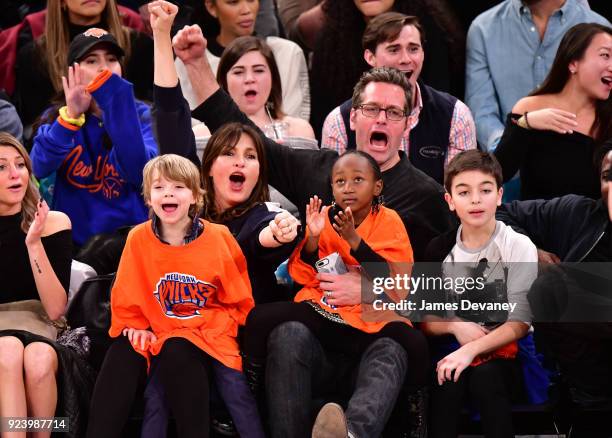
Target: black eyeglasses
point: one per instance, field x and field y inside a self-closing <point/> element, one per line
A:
<point x="372" y="111"/>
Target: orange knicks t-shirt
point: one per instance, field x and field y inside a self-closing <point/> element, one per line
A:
<point x="385" y="234"/>
<point x="199" y="291"/>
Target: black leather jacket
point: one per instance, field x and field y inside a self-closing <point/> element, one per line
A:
<point x="569" y="226"/>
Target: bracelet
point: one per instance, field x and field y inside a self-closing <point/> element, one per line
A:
<point x="527" y="120"/>
<point x="79" y="121"/>
<point x="522" y="122"/>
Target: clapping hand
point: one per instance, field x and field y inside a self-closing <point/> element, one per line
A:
<point x="344" y="224"/>
<point x="315" y="218"/>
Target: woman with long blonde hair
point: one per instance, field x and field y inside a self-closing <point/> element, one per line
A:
<point x="41" y="62"/>
<point x="35" y="268"/>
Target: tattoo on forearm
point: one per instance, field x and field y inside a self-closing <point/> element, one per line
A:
<point x="37" y="267"/>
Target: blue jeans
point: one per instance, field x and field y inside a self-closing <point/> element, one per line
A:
<point x="298" y="369"/>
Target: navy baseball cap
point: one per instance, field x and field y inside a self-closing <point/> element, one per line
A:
<point x="84" y="42"/>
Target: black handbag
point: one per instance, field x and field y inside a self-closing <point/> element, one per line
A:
<point x="90" y="307"/>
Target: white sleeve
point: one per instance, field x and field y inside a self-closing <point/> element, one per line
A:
<point x="186" y="86"/>
<point x="521" y="260"/>
<point x="293" y="72"/>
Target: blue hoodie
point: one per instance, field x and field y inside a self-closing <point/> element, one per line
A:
<point x="98" y="180"/>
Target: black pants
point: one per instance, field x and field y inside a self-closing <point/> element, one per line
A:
<point x="491" y="386"/>
<point x="183" y="370"/>
<point x="334" y="336"/>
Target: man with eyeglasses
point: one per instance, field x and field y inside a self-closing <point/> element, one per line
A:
<point x="439" y="125"/>
<point x="300" y="174"/>
<point x="298" y="365"/>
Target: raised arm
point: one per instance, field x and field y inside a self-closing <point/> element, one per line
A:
<point x="162" y="16"/>
<point x="55" y="140"/>
<point x="296" y="173"/>
<point x="190" y="46"/>
<point x="171" y="113"/>
<point x="127" y="122"/>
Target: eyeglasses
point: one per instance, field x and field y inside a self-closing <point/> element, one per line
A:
<point x="372" y="111"/>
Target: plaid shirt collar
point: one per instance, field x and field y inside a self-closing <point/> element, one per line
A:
<point x="196" y="229"/>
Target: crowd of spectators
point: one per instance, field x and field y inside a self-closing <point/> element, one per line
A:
<point x="149" y="138"/>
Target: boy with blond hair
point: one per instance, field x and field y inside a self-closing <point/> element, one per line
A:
<point x="181" y="291"/>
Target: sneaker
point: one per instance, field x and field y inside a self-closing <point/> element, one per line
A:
<point x="330" y="422"/>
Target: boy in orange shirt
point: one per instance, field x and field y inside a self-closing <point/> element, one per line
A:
<point x="181" y="291"/>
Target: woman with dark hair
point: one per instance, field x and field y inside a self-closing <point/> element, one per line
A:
<point x="222" y="21"/>
<point x="552" y="134"/>
<point x="41" y="62"/>
<point x="233" y="171"/>
<point x="35" y="268"/>
<point x="338" y="62"/>
<point x="248" y="72"/>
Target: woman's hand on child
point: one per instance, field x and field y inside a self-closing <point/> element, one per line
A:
<point x="344" y="224"/>
<point x="78" y="98"/>
<point x="284" y="227"/>
<point x="140" y="338"/>
<point x="455" y="362"/>
<point x="38" y="224"/>
<point x="552" y="119"/>
<point x="189" y="44"/>
<point x="315" y="217"/>
<point x="162" y="15"/>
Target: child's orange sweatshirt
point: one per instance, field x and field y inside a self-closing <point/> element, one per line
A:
<point x="199" y="291"/>
<point x="385" y="234"/>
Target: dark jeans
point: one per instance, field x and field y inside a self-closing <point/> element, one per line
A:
<point x="491" y="386"/>
<point x="183" y="371"/>
<point x="333" y="336"/>
<point x="299" y="368"/>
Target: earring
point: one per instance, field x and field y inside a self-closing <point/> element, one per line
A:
<point x="573" y="72"/>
